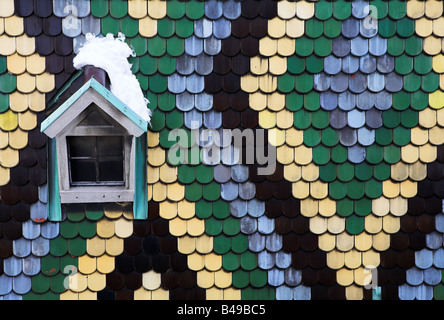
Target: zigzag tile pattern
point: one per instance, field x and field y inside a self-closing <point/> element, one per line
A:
<point x="355" y="114"/>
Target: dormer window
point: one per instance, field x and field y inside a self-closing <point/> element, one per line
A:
<point x="100" y="148"/>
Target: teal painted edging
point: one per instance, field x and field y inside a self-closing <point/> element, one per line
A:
<point x="128" y="112"/>
<point x="54" y="203"/>
<point x="140" y="205"/>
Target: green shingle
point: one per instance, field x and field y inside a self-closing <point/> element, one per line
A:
<point x="412" y="83"/>
<point x="312" y="101"/>
<point x="386" y="27"/>
<point x="221" y="244"/>
<point x="323" y="10"/>
<point x="285" y="83"/>
<point x="430" y="82"/>
<point x="158" y="83"/>
<point x="302" y="119"/>
<point x="304" y="46"/>
<point x="397" y="9"/>
<point x="99" y="8"/>
<point x="239" y="244"/>
<point x="401" y="136"/>
<point x="392" y="154"/>
<point x="323" y="46"/>
<point x="363" y="207"/>
<point x="346" y="172"/>
<point x="147" y="65"/>
<point x="337" y="190"/>
<point x="332" y="28"/>
<point x="175" y="46"/>
<point x="339" y="154"/>
<point x="391" y="118"/>
<point x="75" y="213"/>
<point x="211" y="191"/>
<point x="165" y="27"/>
<point x="404" y="64"/>
<point x="373" y="188"/>
<point x="409" y="118"/>
<point x="258" y="278"/>
<point x="156" y="46"/>
<point x="118" y="8"/>
<point x="143" y="81"/>
<point x="419" y="100"/>
<point x="3" y="64"/>
<point x="213" y="227"/>
<point x="164" y="139"/>
<point x="230" y="261"/>
<point x="381" y="171"/>
<point x="304" y="83"/>
<point x="57" y="284"/>
<point x="312" y="137"/>
<point x="314" y="64"/>
<point x="50" y="265"/>
<point x="77" y="247"/>
<point x="87" y="229"/>
<point x="157" y="121"/>
<point x="355" y="189"/>
<point x="405" y="27"/>
<point x="203" y="209"/>
<point x="184" y="28"/>
<point x="374" y="154"/>
<point x="293" y="101"/>
<point x="50" y="296"/>
<point x="383" y="136"/>
<point x="175" y="9"/>
<point x="395" y="46"/>
<point x="344" y="207"/>
<point x="342" y="9"/>
<point x="231" y="226"/>
<point x="174" y="119"/>
<point x="139" y="45"/>
<point x="381" y="9"/>
<point x="401" y="100"/>
<point x="354" y="224"/>
<point x="295" y="64"/>
<point x="94" y="211"/>
<point x="40" y="283"/>
<point x="4" y="102"/>
<point x="328" y="172"/>
<point x="186" y="174"/>
<point x="193" y="192"/>
<point x="241" y="279"/>
<point x="195" y="9"/>
<point x="8" y="83"/>
<point x="135" y="63"/>
<point x="321" y="155"/>
<point x="68" y="229"/>
<point x="413" y="45"/>
<point x="314" y="28"/>
<point x="221" y="209"/>
<point x="363" y="171"/>
<point x="329" y="137"/>
<point x="438" y="292"/>
<point x="167" y="102"/>
<point x="109" y="25"/>
<point x="320" y="119"/>
<point x="129" y="26"/>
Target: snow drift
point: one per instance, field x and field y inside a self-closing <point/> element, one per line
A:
<point x="111" y="54"/>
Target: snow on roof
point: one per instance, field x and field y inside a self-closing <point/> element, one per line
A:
<point x="111" y="54"/>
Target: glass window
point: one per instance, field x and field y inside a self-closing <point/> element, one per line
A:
<point x="96" y="160"/>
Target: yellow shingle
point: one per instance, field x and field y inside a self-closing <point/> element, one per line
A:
<point x="14" y="26"/>
<point x="301" y="190"/>
<point x="276" y="102"/>
<point x="438" y="27"/>
<point x="25" y="45"/>
<point x="160" y="294"/>
<point x="186" y="209"/>
<point x="305" y="9"/>
<point x="408" y="189"/>
<point x="310" y="172"/>
<point x="410" y="153"/>
<point x="18" y="139"/>
<point x="318" y="225"/>
<point x="153" y="174"/>
<point x="302" y="155"/>
<point x="286" y="9"/>
<point x="345" y="277"/>
<point x="113" y="211"/>
<point x="415" y="9"/>
<point x="7" y="45"/>
<point x="4" y="176"/>
<point x="36" y="101"/>
<point x="114" y="246"/>
<point x="295" y="28"/>
<point x="267" y="46"/>
<point x="258" y="65"/>
<point x="205" y="279"/>
<point x="178" y="227"/>
<point x="157" y="9"/>
<point x="390" y="189"/>
<point x="309" y="206"/>
<point x="424" y="27"/>
<point x="432" y="45"/>
<point x="371" y="258"/>
<point x="294" y="137"/>
<point x="159" y="192"/>
<point x="45" y="82"/>
<point x="381" y="241"/>
<point x="398" y="206"/>
<point x="142" y="294"/>
<point x="268" y="83"/>
<point x="153" y="139"/>
<point x="419" y="136"/>
<point x="286" y="46"/>
<point x="436" y="99"/>
<point x="9" y="158"/>
<point x="195" y="227"/>
<point x="276" y="137"/>
<point x="326" y="242"/>
<point x="87" y="264"/>
<point x="148" y="27"/>
<point x="335" y="259"/>
<point x="418" y="171"/>
<point x="318" y="189"/>
<point x="35" y="64"/>
<point x="6" y="8"/>
<point x="213" y="262"/>
<point x="433" y="9"/>
<point x="363" y="242"/>
<point x="95" y="246"/>
<point x="186" y="244"/>
<point x="428" y="153"/>
<point x="381" y="206"/>
<point x="16" y="63"/>
<point x="250" y="84"/>
<point x="267" y="119"/>
<point x="284" y="119"/>
<point x="123" y="228"/>
<point x="292" y="172"/>
<point x="391" y="224"/>
<point x="151" y="280"/>
<point x="204" y="244"/>
<point x="276" y="27"/>
<point x="373" y="224"/>
<point x="436" y="136"/>
<point x="175" y="192"/>
<point x="344" y="242"/>
<point x="26" y="83"/>
<point x="196" y="261"/>
<point x="138" y="8"/>
<point x="18" y="102"/>
<point x="354" y="292"/>
<point x="96" y="281"/>
<point x="400" y="171"/>
<point x="335" y="224"/>
<point x="105" y="264"/>
<point x="105" y="228"/>
<point x="8" y="121"/>
<point x="352" y="259"/>
<point x="222" y="279"/>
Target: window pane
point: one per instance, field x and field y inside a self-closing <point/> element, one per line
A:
<point x="81" y="146"/>
<point x="83" y="171"/>
<point x="109" y="146"/>
<point x="111" y="170"/>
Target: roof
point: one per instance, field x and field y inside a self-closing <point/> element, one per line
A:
<point x="103" y="92"/>
<point x="355" y="113"/>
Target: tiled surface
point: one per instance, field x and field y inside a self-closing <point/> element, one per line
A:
<point x="355" y="113"/>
